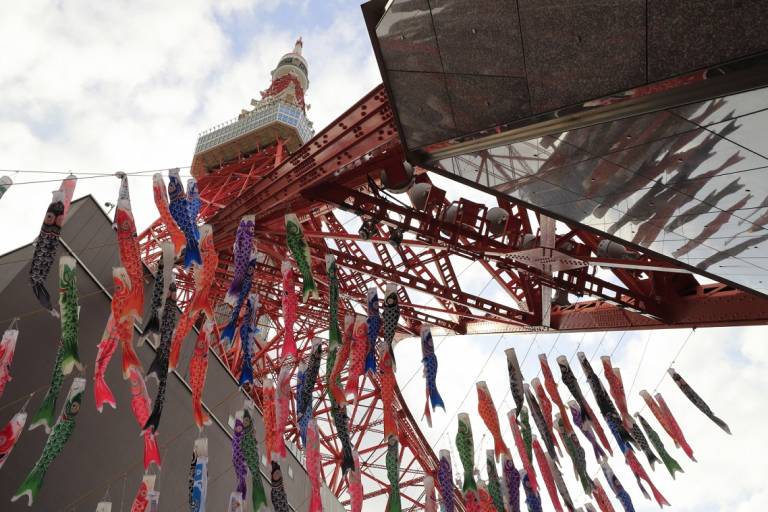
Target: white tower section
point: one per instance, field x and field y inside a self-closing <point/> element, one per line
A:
<point x="280" y="114"/>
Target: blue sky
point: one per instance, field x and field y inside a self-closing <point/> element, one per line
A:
<point x="128" y="85"/>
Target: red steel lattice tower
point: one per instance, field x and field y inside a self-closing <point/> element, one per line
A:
<point x="268" y="162"/>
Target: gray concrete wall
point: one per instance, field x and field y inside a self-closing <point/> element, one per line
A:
<point x="105" y="451"/>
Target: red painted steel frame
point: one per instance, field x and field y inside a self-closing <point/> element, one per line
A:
<point x="333" y="171"/>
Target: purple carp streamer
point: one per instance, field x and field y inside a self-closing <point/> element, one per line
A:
<point x="511" y="482"/>
<point x="242" y="254"/>
<point x="228" y="333"/>
<point x="445" y="480"/>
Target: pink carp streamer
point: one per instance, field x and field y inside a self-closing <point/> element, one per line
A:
<point x="141" y="405"/>
<point x="546" y="474"/>
<point x="198" y="369"/>
<point x="312" y="452"/>
<point x="616" y="386"/>
<point x="551" y="386"/>
<point x="270" y="421"/>
<point x="357" y="354"/>
<point x="342" y="356"/>
<point x="665" y="419"/>
<point x="282" y="409"/>
<point x="546" y="408"/>
<point x="521" y="449"/>
<point x="640" y="473"/>
<point x="200" y="302"/>
<point x="672" y="422"/>
<point x="430" y="500"/>
<point x="106" y="348"/>
<point x="161" y="202"/>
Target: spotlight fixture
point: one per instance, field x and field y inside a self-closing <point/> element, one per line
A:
<point x="396" y="237"/>
<point x="368" y="229"/>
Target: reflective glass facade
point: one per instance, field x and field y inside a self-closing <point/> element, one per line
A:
<point x="690" y="183"/>
<point x="455" y="67"/>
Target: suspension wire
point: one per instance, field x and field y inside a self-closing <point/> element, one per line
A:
<point x="26" y="397"/>
<point x="508" y="392"/>
<point x="616" y="347"/>
<point x="600" y="344"/>
<point x="27" y="260"/>
<point x="549" y="352"/>
<point x="672" y="361"/>
<point x="90" y="173"/>
<point x="122" y="496"/>
<point x="444" y="336"/>
<point x="466" y="395"/>
<point x="576" y="350"/>
<point x="505" y="425"/>
<point x="90" y="176"/>
<point x="592" y="357"/>
<point x="639" y="363"/>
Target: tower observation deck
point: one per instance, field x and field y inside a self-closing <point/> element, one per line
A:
<point x="279" y="114"/>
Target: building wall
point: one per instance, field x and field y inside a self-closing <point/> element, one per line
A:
<point x="105" y="452"/>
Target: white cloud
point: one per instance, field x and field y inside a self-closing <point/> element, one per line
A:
<point x="129" y="85"/>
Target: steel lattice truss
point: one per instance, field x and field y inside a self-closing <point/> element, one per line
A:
<point x="340" y="170"/>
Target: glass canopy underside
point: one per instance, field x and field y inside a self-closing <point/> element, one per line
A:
<point x="690" y="183"/>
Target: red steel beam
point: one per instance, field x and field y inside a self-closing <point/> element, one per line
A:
<point x="332" y="170"/>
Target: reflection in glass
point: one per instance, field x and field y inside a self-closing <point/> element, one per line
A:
<point x="690" y="183"/>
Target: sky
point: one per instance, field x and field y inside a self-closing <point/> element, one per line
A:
<point x="100" y="87"/>
<point x="127" y="86"/>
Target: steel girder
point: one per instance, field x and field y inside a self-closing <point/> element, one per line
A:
<point x="341" y="169"/>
